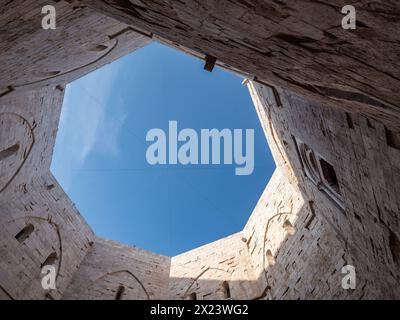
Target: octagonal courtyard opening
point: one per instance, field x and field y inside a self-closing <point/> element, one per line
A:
<point x="100" y="153"/>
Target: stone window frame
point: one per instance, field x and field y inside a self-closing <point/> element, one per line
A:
<point x="312" y="169"/>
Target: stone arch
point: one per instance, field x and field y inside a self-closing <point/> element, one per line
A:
<point x="265" y="250"/>
<point x="120" y="292"/>
<point x="58" y="74"/>
<point x="289" y="228"/>
<point x="59" y="255"/>
<point x="226" y="290"/>
<point x="25" y="233"/>
<point x="14" y="158"/>
<point x="191" y="296"/>
<point x="188" y="291"/>
<point x="269" y="222"/>
<point x="112" y="279"/>
<point x="394" y="246"/>
<point x="32" y="251"/>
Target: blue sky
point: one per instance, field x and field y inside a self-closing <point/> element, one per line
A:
<point x="100" y="153"/>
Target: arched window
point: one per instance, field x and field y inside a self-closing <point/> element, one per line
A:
<point x="309" y="162"/>
<point x="192" y="296"/>
<point x="394" y="245"/>
<point x="120" y="292"/>
<point x="320" y="172"/>
<point x="270" y="258"/>
<point x="226" y="291"/>
<point x="50" y="260"/>
<point x="289" y="228"/>
<point x="24" y="233"/>
<point x="328" y="175"/>
<point x="4" y="154"/>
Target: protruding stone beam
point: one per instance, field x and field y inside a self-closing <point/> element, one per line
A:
<point x="210" y="63"/>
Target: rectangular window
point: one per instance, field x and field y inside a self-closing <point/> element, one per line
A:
<point x="329" y="175"/>
<point x="320" y="172"/>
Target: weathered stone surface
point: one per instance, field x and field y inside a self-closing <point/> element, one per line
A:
<point x="83" y="41"/>
<point x="298" y="45"/>
<point x="300" y="234"/>
<point x="367" y="169"/>
<point x="30" y="195"/>
<point x="219" y="270"/>
<point x="108" y="266"/>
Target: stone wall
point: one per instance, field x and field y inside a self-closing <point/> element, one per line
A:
<point x="296" y="254"/>
<point x="111" y="268"/>
<point x="83" y="41"/>
<point x="333" y="200"/>
<point x="39" y="225"/>
<point x="299" y="45"/>
<point x="365" y="157"/>
<point x="219" y="270"/>
<point x="38" y="222"/>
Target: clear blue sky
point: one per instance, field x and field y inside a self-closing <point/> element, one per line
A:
<point x="100" y="154"/>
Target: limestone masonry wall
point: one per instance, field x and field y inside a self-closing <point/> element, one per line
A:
<point x="299" y="45"/>
<point x="219" y="270"/>
<point x="111" y="267"/>
<point x="35" y="65"/>
<point x="83" y="41"/>
<point x="328" y="102"/>
<point x="32" y="200"/>
<point x="365" y="158"/>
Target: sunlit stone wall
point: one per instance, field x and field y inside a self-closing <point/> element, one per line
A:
<point x="361" y="224"/>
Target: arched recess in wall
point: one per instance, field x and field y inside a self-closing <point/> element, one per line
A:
<point x="15" y="146"/>
<point x="287" y="225"/>
<point x="268" y="257"/>
<point x="120" y="292"/>
<point x="118" y="285"/>
<point x="59" y="75"/>
<point x="221" y="285"/>
<point x="37" y="221"/>
<point x="309" y="162"/>
<point x="109" y="51"/>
